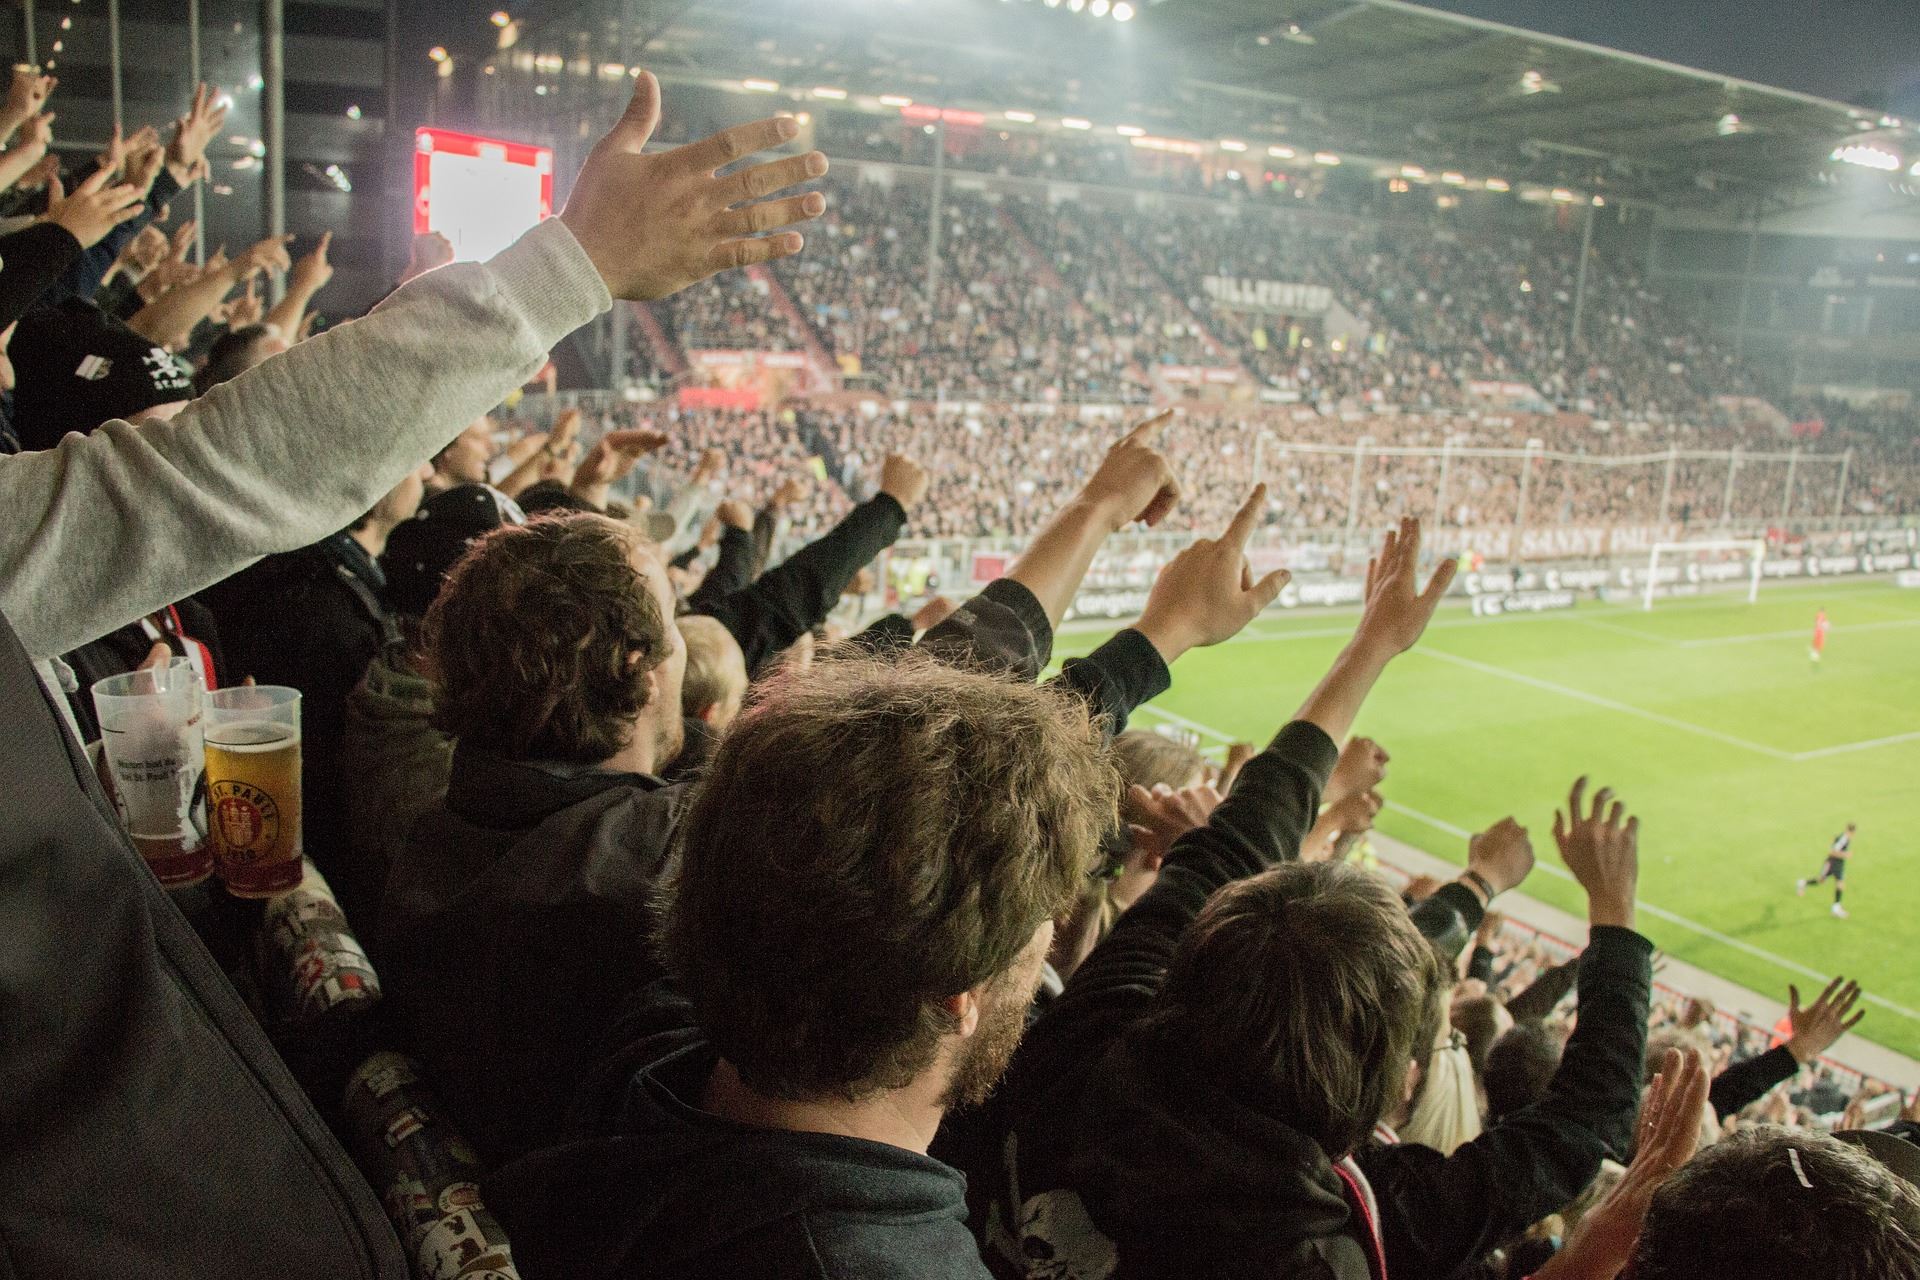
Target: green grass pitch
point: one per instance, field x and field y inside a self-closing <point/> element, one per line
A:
<point x="1706" y="715"/>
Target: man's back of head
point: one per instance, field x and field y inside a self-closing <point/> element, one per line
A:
<point x="554" y="640"/>
<point x="873" y="839"/>
<point x="1781" y="1204"/>
<point x="1306" y="987"/>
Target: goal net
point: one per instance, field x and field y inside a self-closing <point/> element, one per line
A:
<point x="1706" y="562"/>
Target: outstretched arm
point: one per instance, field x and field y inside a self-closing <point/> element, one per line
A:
<point x="128" y="519"/>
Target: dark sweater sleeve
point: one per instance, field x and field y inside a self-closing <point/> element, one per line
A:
<point x="793" y="598"/>
<point x="1116" y="678"/>
<point x="732" y="571"/>
<point x="81" y="278"/>
<point x="32" y="260"/>
<point x="1439" y="1213"/>
<point x="1745" y="1083"/>
<point x="1004" y="629"/>
<point x="1547" y="991"/>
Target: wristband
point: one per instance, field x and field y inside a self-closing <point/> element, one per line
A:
<point x="1481" y="883"/>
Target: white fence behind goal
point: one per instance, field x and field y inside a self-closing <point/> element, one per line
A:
<point x="1756" y="549"/>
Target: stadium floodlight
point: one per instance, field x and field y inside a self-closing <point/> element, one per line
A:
<point x="1130" y="131"/>
<point x="1756" y="548"/>
<point x="1076" y="5"/>
<point x="1282" y="153"/>
<point x="1599" y="202"/>
<point x="1560" y="195"/>
<point x="1099" y="8"/>
<point x="829" y="92"/>
<point x="1075" y="122"/>
<point x="1021" y="117"/>
<point x="1232" y="144"/>
<point x="1453" y="179"/>
<point x="760" y="86"/>
<point x="1123" y="12"/>
<point x="1499" y="184"/>
<point x="1915" y="171"/>
<point x="895" y="100"/>
<point x="1866" y="156"/>
<point x="1326" y="158"/>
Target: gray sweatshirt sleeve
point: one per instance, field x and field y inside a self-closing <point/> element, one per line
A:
<point x="107" y="527"/>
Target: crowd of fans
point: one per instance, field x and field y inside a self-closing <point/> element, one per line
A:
<point x="665" y="913"/>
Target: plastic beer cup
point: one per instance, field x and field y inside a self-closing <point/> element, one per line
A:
<point x="150" y="732"/>
<point x="253" y="787"/>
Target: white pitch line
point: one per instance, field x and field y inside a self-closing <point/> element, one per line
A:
<point x="1846" y="747"/>
<point x="1617" y="629"/>
<point x="1609" y="704"/>
<point x="1659" y="913"/>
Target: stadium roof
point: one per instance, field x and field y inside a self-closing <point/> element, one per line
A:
<point x="1371" y="80"/>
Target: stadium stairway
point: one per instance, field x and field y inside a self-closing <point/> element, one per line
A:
<point x="666" y="352"/>
<point x="1222" y="351"/>
<point x="822" y="369"/>
<point x="1047" y="276"/>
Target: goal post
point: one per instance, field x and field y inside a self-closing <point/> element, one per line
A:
<point x="1756" y="549"/>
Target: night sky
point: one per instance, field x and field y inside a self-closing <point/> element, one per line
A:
<point x="1865" y="52"/>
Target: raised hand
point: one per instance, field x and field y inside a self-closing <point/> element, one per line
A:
<point x="1207" y="593"/>
<point x="27" y="94"/>
<point x="1397" y="611"/>
<point x="145" y="155"/>
<point x="1502" y="855"/>
<point x="266" y="255"/>
<point x="904" y="480"/>
<point x="654" y="224"/>
<point x="1601" y="847"/>
<point x="247" y="308"/>
<point x="732" y="514"/>
<point x="1362" y="767"/>
<point x="182" y="242"/>
<point x="193" y="131"/>
<point x="312" y="271"/>
<point x="792" y="490"/>
<point x="1161" y="816"/>
<point x="1340" y="827"/>
<point x="1820" y="1025"/>
<point x="1669" y="1134"/>
<point x="1134" y="481"/>
<point x="708" y="469"/>
<point x="612" y="457"/>
<point x="93" y="209"/>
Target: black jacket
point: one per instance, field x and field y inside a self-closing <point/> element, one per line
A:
<point x="124" y="650"/>
<point x="514" y="923"/>
<point x="671" y="1190"/>
<point x="796" y="595"/>
<point x="312" y="619"/>
<point x="1438" y="1213"/>
<point x="1106" y="1154"/>
<point x="1745" y="1083"/>
<point x="149" y="1128"/>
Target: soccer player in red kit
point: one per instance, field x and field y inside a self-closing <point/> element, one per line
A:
<point x="1819" y="634"/>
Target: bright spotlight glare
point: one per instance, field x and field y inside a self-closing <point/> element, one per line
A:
<point x="1098" y="8"/>
<point x="1499" y="184"/>
<point x="1021" y="117"/>
<point x="1123" y="12"/>
<point x="1867" y="157"/>
<point x="1075" y="122"/>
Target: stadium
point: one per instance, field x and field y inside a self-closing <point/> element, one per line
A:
<point x="643" y="755"/>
